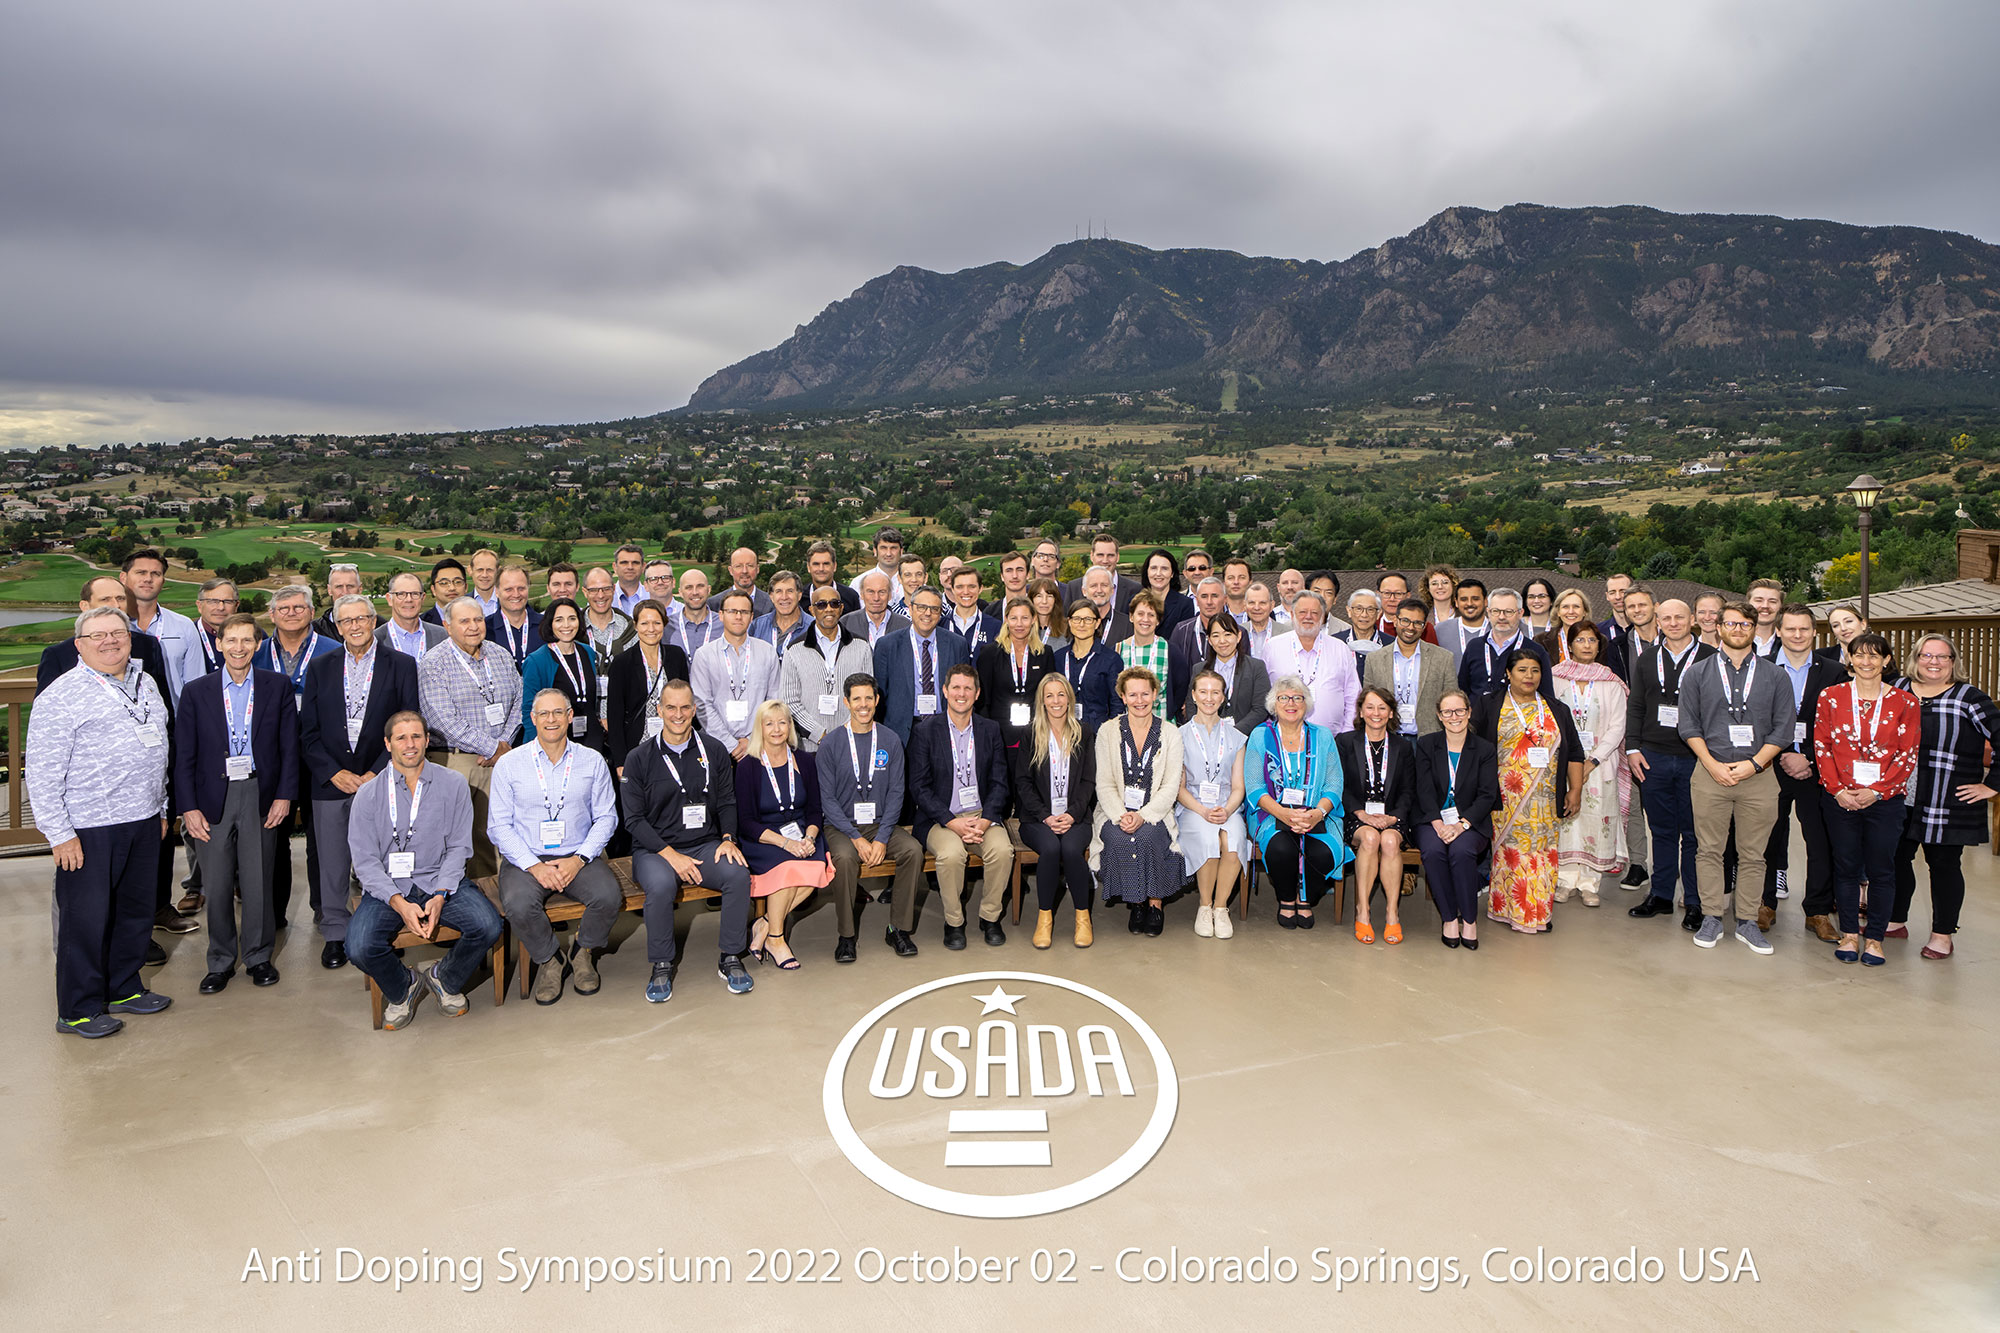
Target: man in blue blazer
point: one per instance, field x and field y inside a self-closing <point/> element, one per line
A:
<point x="345" y="710"/>
<point x="516" y="626"/>
<point x="959" y="787"/>
<point x="910" y="664"/>
<point x="236" y="766"/>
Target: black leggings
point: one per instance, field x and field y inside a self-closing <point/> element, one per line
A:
<point x="1947" y="883"/>
<point x="1281" y="863"/>
<point x="1061" y="859"/>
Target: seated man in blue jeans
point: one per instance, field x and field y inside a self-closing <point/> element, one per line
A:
<point x="409" y="831"/>
<point x="680" y="808"/>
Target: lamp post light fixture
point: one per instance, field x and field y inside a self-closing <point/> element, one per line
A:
<point x="1865" y="490"/>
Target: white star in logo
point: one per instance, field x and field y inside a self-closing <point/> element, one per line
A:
<point x="999" y="999"/>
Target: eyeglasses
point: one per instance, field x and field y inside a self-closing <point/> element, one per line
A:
<point x="1934" y="657"/>
<point x="216" y="601"/>
<point x="407" y="592"/>
<point x="551" y="714"/>
<point x="99" y="636"/>
<point x="351" y="622"/>
<point x="1291" y="698"/>
<point x="1453" y="712"/>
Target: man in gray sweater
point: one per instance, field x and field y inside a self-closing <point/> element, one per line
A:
<point x="1736" y="715"/>
<point x="861" y="798"/>
<point x="810" y="675"/>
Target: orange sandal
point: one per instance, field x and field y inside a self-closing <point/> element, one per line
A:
<point x="1363" y="931"/>
<point x="1393" y="933"/>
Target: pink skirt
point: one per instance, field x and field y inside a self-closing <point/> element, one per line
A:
<point x="793" y="874"/>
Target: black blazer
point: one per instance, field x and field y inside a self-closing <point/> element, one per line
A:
<point x="1478" y="790"/>
<point x="1401" y="799"/>
<point x="1245" y="706"/>
<point x="653" y="797"/>
<point x="996" y="687"/>
<point x="531" y="638"/>
<point x="1031" y="783"/>
<point x="1486" y="722"/>
<point x="930" y="775"/>
<point x="625" y="715"/>
<point x="323" y="716"/>
<point x="200" y="782"/>
<point x="1820" y="673"/>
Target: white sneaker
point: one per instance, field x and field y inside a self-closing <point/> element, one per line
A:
<point x="1218" y="921"/>
<point x="1564" y="892"/>
<point x="1590" y="899"/>
<point x="1202" y="926"/>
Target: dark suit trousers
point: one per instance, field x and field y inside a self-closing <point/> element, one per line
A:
<point x="236" y="860"/>
<point x="1801" y="795"/>
<point x="104" y="916"/>
<point x="281" y="874"/>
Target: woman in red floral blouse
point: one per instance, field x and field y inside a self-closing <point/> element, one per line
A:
<point x="1865" y="736"/>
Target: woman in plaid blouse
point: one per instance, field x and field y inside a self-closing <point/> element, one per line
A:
<point x="1947" y="810"/>
<point x="1865" y="736"/>
<point x="1146" y="648"/>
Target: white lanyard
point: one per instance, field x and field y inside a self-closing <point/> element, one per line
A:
<point x="541" y="779"/>
<point x="1738" y="706"/>
<point x="1376" y="781"/>
<point x="357" y="700"/>
<point x="789" y="797"/>
<point x="485" y="689"/>
<point x="1135" y="758"/>
<point x="1058" y="777"/>
<point x="516" y="640"/>
<point x="1082" y="668"/>
<point x="701" y="757"/>
<point x="401" y="841"/>
<point x="138" y="700"/>
<point x="1580" y="703"/>
<point x="864" y="777"/>
<point x="1867" y="744"/>
<point x="830" y="650"/>
<point x="575" y="677"/>
<point x="1211" y="758"/>
<point x="963" y="766"/>
<point x="239" y="742"/>
<point x="917" y="647"/>
<point x="1521" y="717"/>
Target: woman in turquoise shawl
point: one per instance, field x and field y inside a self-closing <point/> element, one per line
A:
<point x="1292" y="786"/>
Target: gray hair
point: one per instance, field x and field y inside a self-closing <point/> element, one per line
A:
<point x="291" y="592"/>
<point x="1207" y="579"/>
<point x="1305" y="593"/>
<point x="351" y="599"/>
<point x="1109" y="576"/>
<point x="406" y="574"/>
<point x="1286" y="685"/>
<point x="450" y="611"/>
<point x="1360" y="593"/>
<point x="85" y="617"/>
<point x="1514" y="593"/>
<point x="545" y="692"/>
<point x="862" y="582"/>
<point x="212" y="584"/>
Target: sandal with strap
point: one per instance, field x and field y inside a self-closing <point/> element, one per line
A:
<point x="1363" y="931"/>
<point x="760" y="931"/>
<point x="789" y="963"/>
<point x="1393" y="933"/>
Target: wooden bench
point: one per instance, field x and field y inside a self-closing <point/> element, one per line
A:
<point x="409" y="939"/>
<point x="1413" y="872"/>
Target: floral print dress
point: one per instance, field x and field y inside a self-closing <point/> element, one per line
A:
<point x="1524" y="842"/>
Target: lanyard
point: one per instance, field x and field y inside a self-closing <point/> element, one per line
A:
<point x="1866" y="744"/>
<point x="701" y="757"/>
<point x="486" y="669"/>
<point x="864" y="777"/>
<point x="830" y="650"/>
<point x="562" y="796"/>
<point x="1680" y="665"/>
<point x="1580" y="702"/>
<point x="788" y="799"/>
<point x="517" y="645"/>
<point x="1303" y="656"/>
<point x="1453" y="756"/>
<point x="575" y="677"/>
<point x="1521" y="716"/>
<point x="740" y="657"/>
<point x="239" y="741"/>
<point x="653" y="673"/>
<point x="1211" y="758"/>
<point x="296" y="673"/>
<point x="209" y="656"/>
<point x="1082" y="668"/>
<point x="963" y="766"/>
<point x="401" y="841"/>
<point x="1376" y="781"/>
<point x="357" y="700"/>
<point x="138" y="701"/>
<point x="1019" y="665"/>
<point x="1406" y="676"/>
<point x="1739" y="705"/>
<point x="1058" y="777"/>
<point x="412" y="640"/>
<point x="1138" y="760"/>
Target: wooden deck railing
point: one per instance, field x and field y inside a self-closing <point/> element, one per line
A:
<point x="19" y="829"/>
<point x="1977" y="639"/>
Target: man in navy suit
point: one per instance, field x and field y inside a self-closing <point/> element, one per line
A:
<point x="958" y="783"/>
<point x="1479" y="669"/>
<point x="911" y="664"/>
<point x="515" y="626"/>
<point x="348" y="701"/>
<point x="235" y="768"/>
<point x="967" y="621"/>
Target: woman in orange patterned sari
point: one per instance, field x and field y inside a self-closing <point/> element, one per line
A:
<point x="1541" y="782"/>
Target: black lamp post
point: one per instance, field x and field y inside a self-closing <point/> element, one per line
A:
<point x="1865" y="490"/>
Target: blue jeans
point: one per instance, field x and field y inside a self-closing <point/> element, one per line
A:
<point x="371" y="938"/>
<point x="1670" y="815"/>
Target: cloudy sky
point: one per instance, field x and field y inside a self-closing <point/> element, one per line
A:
<point x="229" y="218"/>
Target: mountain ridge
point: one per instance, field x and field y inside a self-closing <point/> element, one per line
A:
<point x="1602" y="291"/>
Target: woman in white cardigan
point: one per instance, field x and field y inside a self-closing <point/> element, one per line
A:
<point x="1136" y="852"/>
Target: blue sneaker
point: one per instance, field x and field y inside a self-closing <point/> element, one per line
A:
<point x="97" y="1025"/>
<point x="140" y="1002"/>
<point x="660" y="987"/>
<point x="731" y="970"/>
<point x="1747" y="932"/>
<point x="1710" y="933"/>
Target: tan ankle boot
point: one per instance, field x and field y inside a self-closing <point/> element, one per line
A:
<point x="1083" y="929"/>
<point x="1045" y="929"/>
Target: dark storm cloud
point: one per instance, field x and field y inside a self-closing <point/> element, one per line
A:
<point x="225" y="217"/>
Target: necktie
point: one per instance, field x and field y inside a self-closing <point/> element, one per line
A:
<point x="930" y="671"/>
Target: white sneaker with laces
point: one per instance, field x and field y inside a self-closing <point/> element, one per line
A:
<point x="1202" y="927"/>
<point x="1218" y="921"/>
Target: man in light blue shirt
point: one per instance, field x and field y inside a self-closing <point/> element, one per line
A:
<point x="549" y="815"/>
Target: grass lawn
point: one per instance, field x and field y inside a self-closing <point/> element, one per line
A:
<point x="48" y="578"/>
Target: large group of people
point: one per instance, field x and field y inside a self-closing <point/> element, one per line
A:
<point x="783" y="740"/>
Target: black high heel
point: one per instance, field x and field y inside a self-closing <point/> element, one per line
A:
<point x="1469" y="942"/>
<point x="1450" y="941"/>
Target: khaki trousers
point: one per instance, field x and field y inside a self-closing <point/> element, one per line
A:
<point x="903" y="853"/>
<point x="485" y="861"/>
<point x="1753" y="805"/>
<point x="996" y="857"/>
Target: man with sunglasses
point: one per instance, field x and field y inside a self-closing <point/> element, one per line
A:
<point x="812" y="674"/>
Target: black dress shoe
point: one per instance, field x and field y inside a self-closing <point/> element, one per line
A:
<point x="1450" y="941"/>
<point x="1468" y="944"/>
<point x="1156" y="920"/>
<point x="991" y="932"/>
<point x="1651" y="907"/>
<point x="1137" y="923"/>
<point x="1692" y="919"/>
<point x="900" y="941"/>
<point x="213" y="983"/>
<point x="1634" y="877"/>
<point x="843" y="949"/>
<point x="954" y="937"/>
<point x="333" y="955"/>
<point x="155" y="955"/>
<point x="262" y="974"/>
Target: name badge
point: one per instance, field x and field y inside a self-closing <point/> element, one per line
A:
<point x="1293" y="796"/>
<point x="402" y="865"/>
<point x="237" y="766"/>
<point x="148" y="734"/>
<point x="969" y="796"/>
<point x="829" y="704"/>
<point x="694" y="816"/>
<point x="353" y="732"/>
<point x="1407" y="714"/>
<point x="1017" y="715"/>
<point x="552" y="834"/>
<point x="1798" y="733"/>
<point x="604" y="687"/>
<point x="1742" y="734"/>
<point x="1538" y="756"/>
<point x="792" y="832"/>
<point x="1448" y="815"/>
<point x="864" y="812"/>
<point x="1210" y="793"/>
<point x="1134" y="797"/>
<point x="1670" y="715"/>
<point x="1588" y="739"/>
<point x="495" y="714"/>
<point x="926" y="705"/>
<point x="1374" y="808"/>
<point x="1866" y="774"/>
<point x="736" y="710"/>
<point x="577" y="725"/>
<point x="653" y="725"/>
